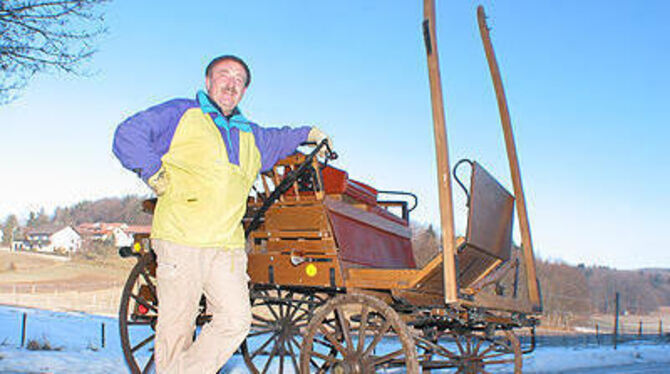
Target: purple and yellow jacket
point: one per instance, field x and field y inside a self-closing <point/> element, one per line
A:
<point x="210" y="161"/>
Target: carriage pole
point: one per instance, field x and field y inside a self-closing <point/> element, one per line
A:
<point x="522" y="214"/>
<point x="442" y="151"/>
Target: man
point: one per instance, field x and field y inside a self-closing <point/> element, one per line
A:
<point x="201" y="158"/>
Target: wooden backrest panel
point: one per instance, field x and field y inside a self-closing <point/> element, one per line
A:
<point x="490" y="216"/>
<point x="488" y="240"/>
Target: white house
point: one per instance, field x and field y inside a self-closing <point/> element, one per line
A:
<point x="125" y="236"/>
<point x="66" y="240"/>
<point x="53" y="239"/>
<point x="122" y="238"/>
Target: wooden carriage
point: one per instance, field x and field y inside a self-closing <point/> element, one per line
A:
<point x="334" y="283"/>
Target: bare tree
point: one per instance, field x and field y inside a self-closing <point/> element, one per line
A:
<point x="45" y="36"/>
<point x="11" y="224"/>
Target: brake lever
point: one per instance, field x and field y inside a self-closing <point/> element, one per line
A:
<point x="330" y="154"/>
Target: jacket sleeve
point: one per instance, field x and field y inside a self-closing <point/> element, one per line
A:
<point x="141" y="140"/>
<point x="275" y="143"/>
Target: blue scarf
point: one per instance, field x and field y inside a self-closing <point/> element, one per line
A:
<point x="219" y="119"/>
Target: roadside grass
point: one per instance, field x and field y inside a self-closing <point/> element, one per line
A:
<point x="43" y="345"/>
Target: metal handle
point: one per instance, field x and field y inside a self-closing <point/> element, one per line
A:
<point x="467" y="194"/>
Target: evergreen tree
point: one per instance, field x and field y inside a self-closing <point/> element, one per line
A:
<point x="37" y="219"/>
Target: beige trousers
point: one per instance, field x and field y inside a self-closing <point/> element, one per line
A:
<point x="182" y="276"/>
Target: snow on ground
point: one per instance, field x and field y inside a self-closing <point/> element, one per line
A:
<point x="78" y="336"/>
<point x="560" y="359"/>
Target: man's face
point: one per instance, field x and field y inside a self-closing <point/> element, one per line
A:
<point x="225" y="84"/>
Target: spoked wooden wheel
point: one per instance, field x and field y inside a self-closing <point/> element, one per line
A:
<point x="279" y="317"/>
<point x="137" y="316"/>
<point x="472" y="352"/>
<point x="354" y="334"/>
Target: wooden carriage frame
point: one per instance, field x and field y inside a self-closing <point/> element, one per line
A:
<point x="325" y="302"/>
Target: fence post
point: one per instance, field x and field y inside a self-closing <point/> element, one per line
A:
<point x="23" y="331"/>
<point x="102" y="334"/>
<point x="616" y="319"/>
<point x="597" y="333"/>
<point x="639" y="329"/>
<point x="660" y="328"/>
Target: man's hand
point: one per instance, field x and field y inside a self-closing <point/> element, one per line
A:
<point x="316" y="135"/>
<point x="159" y="182"/>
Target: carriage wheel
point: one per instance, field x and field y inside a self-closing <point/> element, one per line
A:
<point x="353" y="326"/>
<point x="472" y="352"/>
<point x="137" y="316"/>
<point x="279" y="316"/>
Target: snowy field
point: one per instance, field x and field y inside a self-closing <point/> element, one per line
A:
<point x="78" y="338"/>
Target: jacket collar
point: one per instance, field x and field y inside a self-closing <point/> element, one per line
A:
<point x="236" y="119"/>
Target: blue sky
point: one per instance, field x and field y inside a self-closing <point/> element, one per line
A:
<point x="586" y="83"/>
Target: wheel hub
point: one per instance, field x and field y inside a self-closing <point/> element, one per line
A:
<point x="354" y="363"/>
<point x="471" y="364"/>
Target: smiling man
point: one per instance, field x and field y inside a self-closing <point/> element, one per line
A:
<point x="201" y="158"/>
<point x="226" y="82"/>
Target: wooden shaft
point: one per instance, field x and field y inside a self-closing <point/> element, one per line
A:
<point x="442" y="152"/>
<point x="526" y="242"/>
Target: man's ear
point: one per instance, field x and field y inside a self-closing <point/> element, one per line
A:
<point x="207" y="83"/>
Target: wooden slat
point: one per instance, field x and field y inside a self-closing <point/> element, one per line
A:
<point x="265" y="186"/>
<point x="326" y="245"/>
<point x="380" y="278"/>
<point x="276" y="180"/>
<point x="296" y="191"/>
<point x="298" y="218"/>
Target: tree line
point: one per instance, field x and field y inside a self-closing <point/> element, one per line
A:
<point x="577" y="289"/>
<point x="126" y="209"/>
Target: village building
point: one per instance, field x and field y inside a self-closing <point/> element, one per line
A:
<point x="68" y="239"/>
<point x="124" y="237"/>
<point x="99" y="231"/>
<point x="118" y="233"/>
<point x="18" y="241"/>
<point x="54" y="239"/>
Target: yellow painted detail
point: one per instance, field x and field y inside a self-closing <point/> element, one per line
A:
<point x="310" y="270"/>
<point x="206" y="196"/>
<point x="137" y="247"/>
